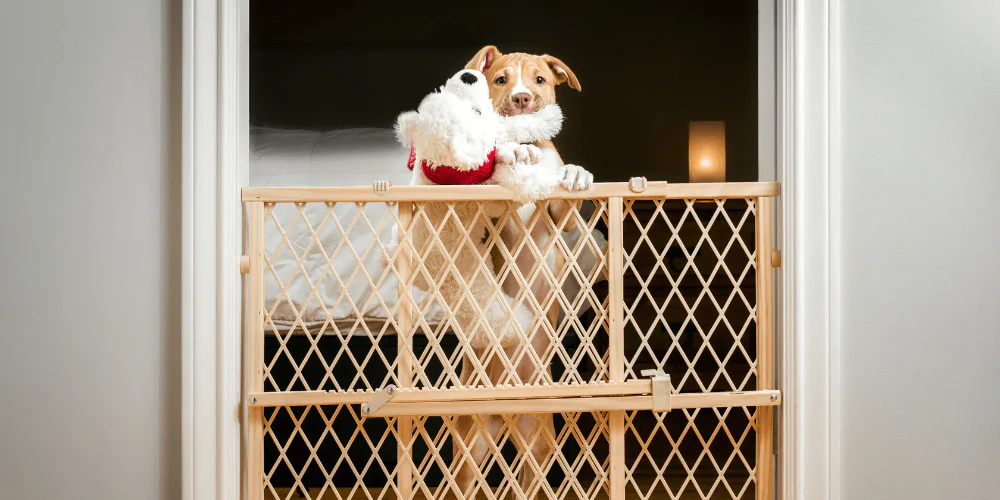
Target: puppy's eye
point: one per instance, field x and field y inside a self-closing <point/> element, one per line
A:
<point x="476" y="110"/>
<point x="502" y="80"/>
<point x="539" y="80"/>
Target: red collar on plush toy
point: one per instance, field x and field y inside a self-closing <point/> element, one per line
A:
<point x="450" y="176"/>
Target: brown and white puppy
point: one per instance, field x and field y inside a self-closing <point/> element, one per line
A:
<point x="523" y="83"/>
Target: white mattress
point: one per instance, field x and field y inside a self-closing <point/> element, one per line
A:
<point x="354" y="157"/>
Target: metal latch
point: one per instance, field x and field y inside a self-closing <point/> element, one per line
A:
<point x="381" y="397"/>
<point x="637" y="184"/>
<point x="661" y="389"/>
<point x="381" y="187"/>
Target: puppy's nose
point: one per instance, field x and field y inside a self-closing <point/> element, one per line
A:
<point x="521" y="100"/>
<point x="469" y="78"/>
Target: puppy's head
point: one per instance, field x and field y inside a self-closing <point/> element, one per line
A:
<point x="519" y="82"/>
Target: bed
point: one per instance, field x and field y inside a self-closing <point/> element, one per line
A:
<point x="343" y="299"/>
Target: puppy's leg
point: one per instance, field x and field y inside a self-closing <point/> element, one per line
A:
<point x="474" y="431"/>
<point x="477" y="432"/>
<point x="506" y="323"/>
<point x="466" y="434"/>
<point x="536" y="430"/>
<point x="574" y="178"/>
<point x="501" y="320"/>
<point x="457" y="266"/>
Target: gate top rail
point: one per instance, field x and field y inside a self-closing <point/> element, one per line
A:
<point x="655" y="189"/>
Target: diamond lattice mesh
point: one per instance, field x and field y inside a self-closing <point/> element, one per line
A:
<point x="690" y="292"/>
<point x="690" y="310"/>
<point x="691" y="454"/>
<point x="330" y="452"/>
<point x="332" y="308"/>
<point x="335" y="319"/>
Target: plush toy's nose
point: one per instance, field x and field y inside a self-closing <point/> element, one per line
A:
<point x="469" y="78"/>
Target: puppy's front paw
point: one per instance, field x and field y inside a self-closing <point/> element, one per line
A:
<point x="529" y="153"/>
<point x="576" y="178"/>
<point x="510" y="153"/>
<point x="506" y="153"/>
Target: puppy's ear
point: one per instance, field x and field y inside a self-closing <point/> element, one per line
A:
<point x="562" y="71"/>
<point x="484" y="59"/>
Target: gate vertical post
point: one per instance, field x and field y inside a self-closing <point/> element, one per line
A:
<point x="254" y="357"/>
<point x="616" y="345"/>
<point x="404" y="335"/>
<point x="765" y="349"/>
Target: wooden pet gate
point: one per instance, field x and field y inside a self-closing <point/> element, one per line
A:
<point x="437" y="342"/>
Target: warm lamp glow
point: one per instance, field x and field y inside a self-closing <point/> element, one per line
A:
<point x="707" y="152"/>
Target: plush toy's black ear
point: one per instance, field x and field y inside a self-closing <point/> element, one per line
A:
<point x="469" y="78"/>
<point x="484" y="59"/>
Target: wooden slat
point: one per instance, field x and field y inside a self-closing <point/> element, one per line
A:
<point x="307" y="398"/>
<point x="616" y="291"/>
<point x="304" y="398"/>
<point x="404" y="321"/>
<point x="255" y="350"/>
<point x="485" y="193"/>
<point x="561" y="405"/>
<point x="616" y="345"/>
<point x="765" y="350"/>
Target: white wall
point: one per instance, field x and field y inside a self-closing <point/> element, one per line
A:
<point x="89" y="249"/>
<point x="89" y="218"/>
<point x="921" y="268"/>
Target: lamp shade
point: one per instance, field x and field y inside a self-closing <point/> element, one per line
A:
<point x="707" y="152"/>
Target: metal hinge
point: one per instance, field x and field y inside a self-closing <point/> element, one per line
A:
<point x="661" y="389"/>
<point x="381" y="397"/>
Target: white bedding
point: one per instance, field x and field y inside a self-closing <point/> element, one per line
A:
<point x="339" y="158"/>
<point x="352" y="157"/>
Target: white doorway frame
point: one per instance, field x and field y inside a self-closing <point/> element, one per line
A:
<point x="805" y="151"/>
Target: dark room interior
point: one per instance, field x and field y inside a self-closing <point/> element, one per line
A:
<point x="647" y="70"/>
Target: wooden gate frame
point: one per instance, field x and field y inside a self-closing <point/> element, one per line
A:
<point x="214" y="165"/>
<point x="616" y="396"/>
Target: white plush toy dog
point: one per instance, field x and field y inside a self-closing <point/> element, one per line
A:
<point x="456" y="137"/>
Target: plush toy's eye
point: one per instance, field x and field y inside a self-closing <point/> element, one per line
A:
<point x="502" y="80"/>
<point x="539" y="80"/>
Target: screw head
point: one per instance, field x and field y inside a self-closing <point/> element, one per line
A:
<point x="774" y="397"/>
<point x="391" y="390"/>
<point x="253" y="400"/>
<point x="366" y="409"/>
